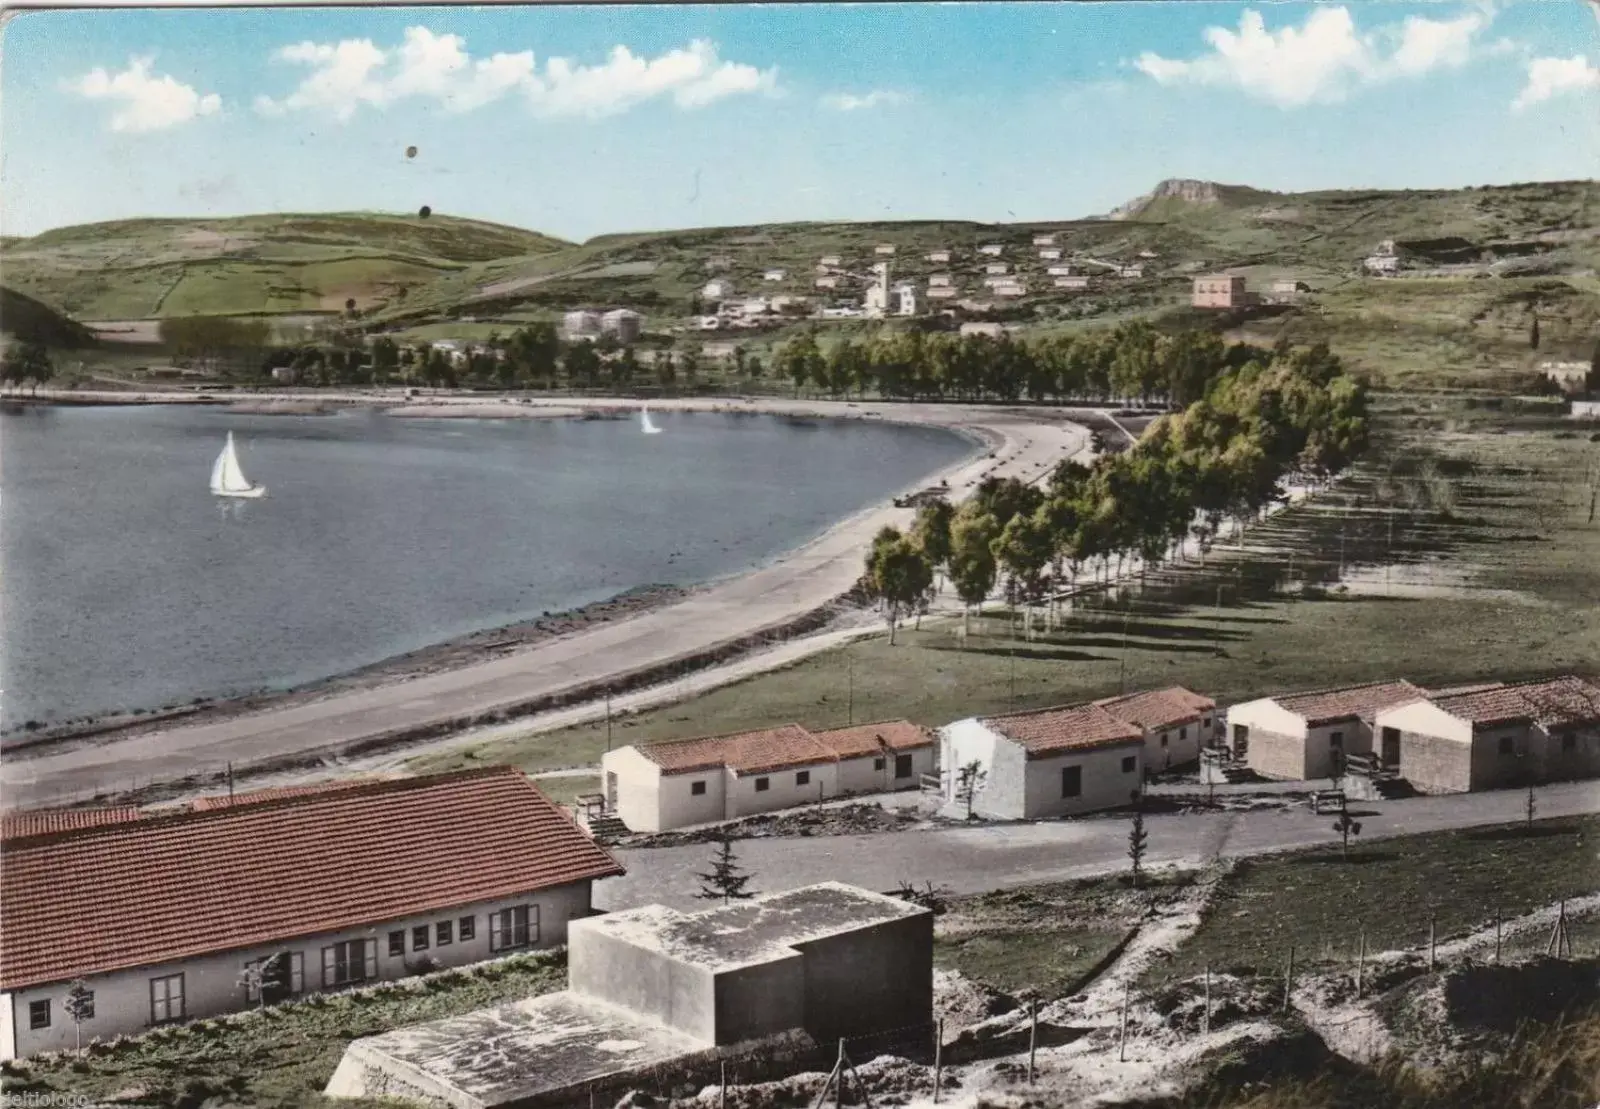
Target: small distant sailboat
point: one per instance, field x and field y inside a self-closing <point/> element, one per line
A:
<point x="646" y="424"/>
<point x="227" y="477"/>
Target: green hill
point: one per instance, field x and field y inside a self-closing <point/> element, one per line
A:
<point x="24" y="318"/>
<point x="142" y="269"/>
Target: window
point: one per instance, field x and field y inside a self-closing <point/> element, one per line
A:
<point x="39" y="1014"/>
<point x="513" y="928"/>
<point x="1164" y="739"/>
<point x="878" y="764"/>
<point x="166" y="999"/>
<point x="467" y="928"/>
<point x="762" y="785"/>
<point x="1071" y="781"/>
<point x="1336" y="741"/>
<point x="1183" y="733"/>
<point x="803" y="778"/>
<point x="1130" y="763"/>
<point x="441" y="933"/>
<point x="346" y="963"/>
<point x="697" y="789"/>
<point x="281" y="975"/>
<point x="1506" y="747"/>
<point x="397" y="942"/>
<point x="419" y="938"/>
<point x="902" y="766"/>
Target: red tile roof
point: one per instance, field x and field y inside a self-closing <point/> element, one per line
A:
<point x="42" y="822"/>
<point x="1158" y="708"/>
<point x="171" y="887"/>
<point x="870" y="739"/>
<point x="1325" y="706"/>
<point x="1561" y="702"/>
<point x="275" y="793"/>
<point x="757" y="752"/>
<point x="1070" y="728"/>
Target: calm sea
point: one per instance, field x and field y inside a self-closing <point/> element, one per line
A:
<point x="126" y="585"/>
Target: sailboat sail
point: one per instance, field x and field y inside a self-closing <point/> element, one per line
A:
<point x="646" y="423"/>
<point x="227" y="476"/>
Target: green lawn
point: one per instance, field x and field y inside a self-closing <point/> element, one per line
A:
<point x="282" y="1056"/>
<point x="1319" y="901"/>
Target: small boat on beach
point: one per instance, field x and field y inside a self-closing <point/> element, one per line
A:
<point x="227" y="476"/>
<point x="646" y="424"/>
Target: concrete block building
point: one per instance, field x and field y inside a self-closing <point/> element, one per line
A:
<point x="654" y="989"/>
<point x="161" y="914"/>
<point x="1494" y="737"/>
<point x="659" y="786"/>
<point x="1176" y="723"/>
<point x="1054" y="762"/>
<point x="1219" y="291"/>
<point x="1298" y="736"/>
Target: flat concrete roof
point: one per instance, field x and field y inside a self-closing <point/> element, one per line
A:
<point x="759" y="930"/>
<point x="523" y="1049"/>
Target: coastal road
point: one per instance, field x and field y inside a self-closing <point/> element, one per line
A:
<point x="994" y="856"/>
<point x="1026" y="443"/>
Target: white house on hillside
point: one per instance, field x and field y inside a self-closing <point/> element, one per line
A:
<point x="994" y="250"/>
<point x="1044" y="240"/>
<point x="580" y="323"/>
<point x="716" y="290"/>
<point x="883" y="249"/>
<point x="939" y="256"/>
<point x="1299" y="736"/>
<point x="1176" y="723"/>
<point x="1054" y="762"/>
<point x="1050" y="255"/>
<point x="995" y="267"/>
<point x="774" y="275"/>
<point x="624" y="323"/>
<point x="310" y="889"/>
<point x="659" y="786"/>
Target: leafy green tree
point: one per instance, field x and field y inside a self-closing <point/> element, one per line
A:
<point x="385" y="358"/>
<point x="581" y="362"/>
<point x="799" y="360"/>
<point x="972" y="562"/>
<point x="1023" y="550"/>
<point x="900" y="577"/>
<point x="26" y="362"/>
<point x="931" y="531"/>
<point x="690" y="360"/>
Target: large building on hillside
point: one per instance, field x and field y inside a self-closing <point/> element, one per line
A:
<point x="1219" y="291"/>
<point x="170" y="916"/>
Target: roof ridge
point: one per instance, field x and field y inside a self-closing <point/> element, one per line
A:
<point x="869" y="724"/>
<point x="721" y="735"/>
<point x="186" y="813"/>
<point x="1344" y="688"/>
<point x="1048" y="708"/>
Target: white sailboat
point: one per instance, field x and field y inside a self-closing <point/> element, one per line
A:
<point x="646" y="424"/>
<point x="227" y="477"/>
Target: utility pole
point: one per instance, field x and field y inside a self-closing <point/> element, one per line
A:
<point x="1013" y="699"/>
<point x="1216" y="623"/>
<point x="850" y="688"/>
<point x="1122" y="672"/>
<point x="608" y="721"/>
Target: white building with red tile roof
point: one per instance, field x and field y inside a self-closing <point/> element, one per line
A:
<point x="1501" y="736"/>
<point x="161" y="915"/>
<point x="1176" y="722"/>
<point x="1301" y="736"/>
<point x="655" y="787"/>
<point x="1053" y="762"/>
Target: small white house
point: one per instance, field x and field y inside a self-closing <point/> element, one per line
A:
<point x="1033" y="765"/>
<point x="1502" y="736"/>
<point x="986" y="330"/>
<point x="316" y="888"/>
<point x="828" y="282"/>
<point x="1300" y="736"/>
<point x="938" y="281"/>
<point x="1050" y="255"/>
<point x="939" y="257"/>
<point x="1044" y="240"/>
<point x="716" y="290"/>
<point x="996" y="267"/>
<point x="623" y="323"/>
<point x="1176" y="723"/>
<point x="1011" y="288"/>
<point x="581" y="322"/>
<point x="659" y="786"/>
<point x="1063" y="270"/>
<point x="828" y="261"/>
<point x="774" y="275"/>
<point x="883" y="249"/>
<point x="941" y="292"/>
<point x="994" y="250"/>
<point x="1077" y="283"/>
<point x="905" y="300"/>
<point x="709" y="323"/>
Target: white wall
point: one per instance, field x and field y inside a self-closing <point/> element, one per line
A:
<point x="861" y="775"/>
<point x="638" y="800"/>
<point x="1106" y="785"/>
<point x="960" y="743"/>
<point x="783" y="790"/>
<point x="680" y="806"/>
<point x="1425" y="718"/>
<point x="211" y="983"/>
<point x="1265" y="714"/>
<point x="1176" y="745"/>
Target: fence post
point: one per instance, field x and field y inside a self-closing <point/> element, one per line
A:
<point x="1122" y="1035"/>
<point x="1433" y="925"/>
<point x="722" y="1096"/>
<point x="1497" y="936"/>
<point x="591" y="1095"/>
<point x="1288" y="978"/>
<point x="1361" y="964"/>
<point x="838" y="1090"/>
<point x="938" y="1059"/>
<point x="1033" y="1035"/>
<point x="1205" y="1018"/>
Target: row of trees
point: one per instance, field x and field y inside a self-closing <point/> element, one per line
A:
<point x="1130" y="360"/>
<point x="1284" y="413"/>
<point x="26" y="363"/>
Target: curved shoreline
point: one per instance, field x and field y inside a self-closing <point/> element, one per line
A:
<point x="788" y="594"/>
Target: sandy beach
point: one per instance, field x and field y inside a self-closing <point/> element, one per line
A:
<point x="569" y="668"/>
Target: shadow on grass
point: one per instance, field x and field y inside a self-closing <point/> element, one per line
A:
<point x="1356" y="858"/>
<point x="1519" y="831"/>
<point x="1038" y="654"/>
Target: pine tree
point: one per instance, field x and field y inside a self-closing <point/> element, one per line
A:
<point x="969" y="783"/>
<point x="80" y="1007"/>
<point x="1138" y="842"/>
<point x="726" y="880"/>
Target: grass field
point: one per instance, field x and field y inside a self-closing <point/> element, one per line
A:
<point x="1319" y="901"/>
<point x="1501" y="587"/>
<point x="282" y="1056"/>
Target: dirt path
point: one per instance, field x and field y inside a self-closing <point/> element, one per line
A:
<point x="1026" y="444"/>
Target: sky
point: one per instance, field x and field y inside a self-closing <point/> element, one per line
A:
<point x="579" y="121"/>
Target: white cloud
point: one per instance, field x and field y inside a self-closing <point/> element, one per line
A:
<point x="437" y="67"/>
<point x="854" y="102"/>
<point x="145" y="102"/>
<point x="1326" y="57"/>
<point x="1552" y="77"/>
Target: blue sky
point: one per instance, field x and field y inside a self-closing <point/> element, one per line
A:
<point x="580" y="121"/>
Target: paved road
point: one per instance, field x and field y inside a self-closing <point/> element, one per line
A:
<point x="970" y="860"/>
<point x="1028" y="444"/>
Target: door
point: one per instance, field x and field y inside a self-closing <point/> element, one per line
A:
<point x="611" y="790"/>
<point x="1389" y="747"/>
<point x="1241" y="741"/>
